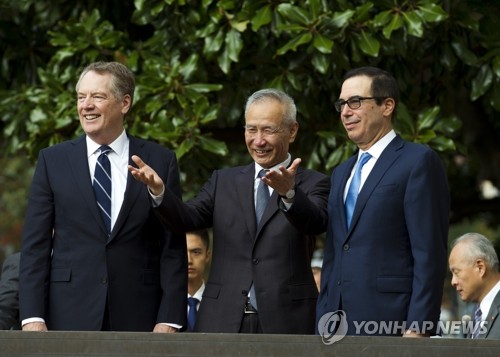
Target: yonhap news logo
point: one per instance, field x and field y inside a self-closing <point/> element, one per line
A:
<point x="332" y="326"/>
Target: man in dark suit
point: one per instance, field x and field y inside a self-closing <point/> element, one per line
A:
<point x="386" y="249"/>
<point x="88" y="266"/>
<point x="9" y="293"/>
<point x="260" y="278"/>
<point x="474" y="266"/>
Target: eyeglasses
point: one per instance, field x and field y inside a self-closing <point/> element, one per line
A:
<point x="353" y="102"/>
<point x="268" y="131"/>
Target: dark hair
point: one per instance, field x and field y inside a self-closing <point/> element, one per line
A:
<point x="384" y="85"/>
<point x="204" y="236"/>
<point x="122" y="78"/>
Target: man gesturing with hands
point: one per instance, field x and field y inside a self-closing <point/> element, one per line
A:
<point x="260" y="279"/>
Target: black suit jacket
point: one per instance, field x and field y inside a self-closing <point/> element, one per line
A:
<point x="274" y="255"/>
<point x="492" y="321"/>
<point x="70" y="268"/>
<point x="9" y="293"/>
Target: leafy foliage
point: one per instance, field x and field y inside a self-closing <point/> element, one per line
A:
<point x="197" y="61"/>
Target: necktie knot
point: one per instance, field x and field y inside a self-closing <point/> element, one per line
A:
<point x="192" y="302"/>
<point x="105" y="149"/>
<point x="262" y="173"/>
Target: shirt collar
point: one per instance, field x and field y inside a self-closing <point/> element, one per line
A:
<point x="275" y="167"/>
<point x="118" y="146"/>
<point x="488" y="300"/>
<point x="377" y="148"/>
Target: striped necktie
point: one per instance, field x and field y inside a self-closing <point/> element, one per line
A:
<point x="102" y="186"/>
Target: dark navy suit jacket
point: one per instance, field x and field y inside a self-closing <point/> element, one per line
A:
<point x="390" y="264"/>
<point x="70" y="268"/>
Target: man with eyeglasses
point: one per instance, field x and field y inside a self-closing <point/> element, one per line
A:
<point x="260" y="278"/>
<point x="386" y="246"/>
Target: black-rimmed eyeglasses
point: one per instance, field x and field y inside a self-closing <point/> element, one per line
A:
<point x="353" y="102"/>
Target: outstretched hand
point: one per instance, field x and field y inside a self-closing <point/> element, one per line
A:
<point x="283" y="180"/>
<point x="147" y="175"/>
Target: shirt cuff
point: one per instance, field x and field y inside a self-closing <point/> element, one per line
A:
<point x="157" y="199"/>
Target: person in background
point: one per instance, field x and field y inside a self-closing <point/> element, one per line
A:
<point x="9" y="293"/>
<point x="94" y="256"/>
<point x="386" y="242"/>
<point x="264" y="216"/>
<point x="474" y="265"/>
<point x="198" y="249"/>
<point x="316" y="264"/>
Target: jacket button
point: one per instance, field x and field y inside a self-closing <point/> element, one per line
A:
<point x="104" y="280"/>
<point x="338" y="282"/>
<point x="346" y="246"/>
<point x="255" y="261"/>
<point x="244" y="292"/>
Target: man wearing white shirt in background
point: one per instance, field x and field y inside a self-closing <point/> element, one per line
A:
<point x="198" y="251"/>
<point x="474" y="265"/>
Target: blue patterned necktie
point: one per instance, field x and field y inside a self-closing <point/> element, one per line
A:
<point x="352" y="193"/>
<point x="477" y="322"/>
<point x="192" y="303"/>
<point x="102" y="186"/>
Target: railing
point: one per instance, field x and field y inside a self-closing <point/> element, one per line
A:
<point x="55" y="344"/>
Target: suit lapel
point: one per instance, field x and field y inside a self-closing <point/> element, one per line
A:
<point x="133" y="188"/>
<point x="492" y="315"/>
<point x="386" y="159"/>
<point x="244" y="186"/>
<point x="79" y="163"/>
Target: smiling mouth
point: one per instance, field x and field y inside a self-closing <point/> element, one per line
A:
<point x="262" y="152"/>
<point x="91" y="116"/>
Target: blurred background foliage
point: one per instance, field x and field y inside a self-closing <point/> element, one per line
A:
<point x="197" y="61"/>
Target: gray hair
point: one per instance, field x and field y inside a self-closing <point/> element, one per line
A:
<point x="480" y="247"/>
<point x="290" y="110"/>
<point x="122" y="78"/>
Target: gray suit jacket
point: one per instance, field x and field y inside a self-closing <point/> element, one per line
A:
<point x="492" y="321"/>
<point x="9" y="293"/>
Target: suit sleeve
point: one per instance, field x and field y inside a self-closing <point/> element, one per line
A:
<point x="427" y="206"/>
<point x="174" y="263"/>
<point x="9" y="289"/>
<point x="309" y="213"/>
<point x="36" y="246"/>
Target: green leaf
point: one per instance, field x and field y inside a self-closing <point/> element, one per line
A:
<point x="413" y="24"/>
<point x="294" y="14"/>
<point x="189" y="66"/>
<point x="432" y="13"/>
<point x="482" y="82"/>
<point x="234" y="44"/>
<point x="369" y="44"/>
<point x="204" y="87"/>
<point x="294" y="43"/>
<point x="224" y="61"/>
<point x="214" y="43"/>
<point x="213" y="146"/>
<point x="239" y="25"/>
<point x="315" y="8"/>
<point x="321" y="62"/>
<point x="426" y="119"/>
<point x="184" y="148"/>
<point x="382" y="18"/>
<point x="395" y="24"/>
<point x="495" y="65"/>
<point x="262" y="17"/>
<point x="322" y="44"/>
<point x="463" y="52"/>
<point x="341" y="19"/>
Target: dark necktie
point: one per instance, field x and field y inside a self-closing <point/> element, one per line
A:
<point x="262" y="197"/>
<point x="192" y="303"/>
<point x="352" y="193"/>
<point x="477" y="322"/>
<point x="262" y="200"/>
<point x="102" y="185"/>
